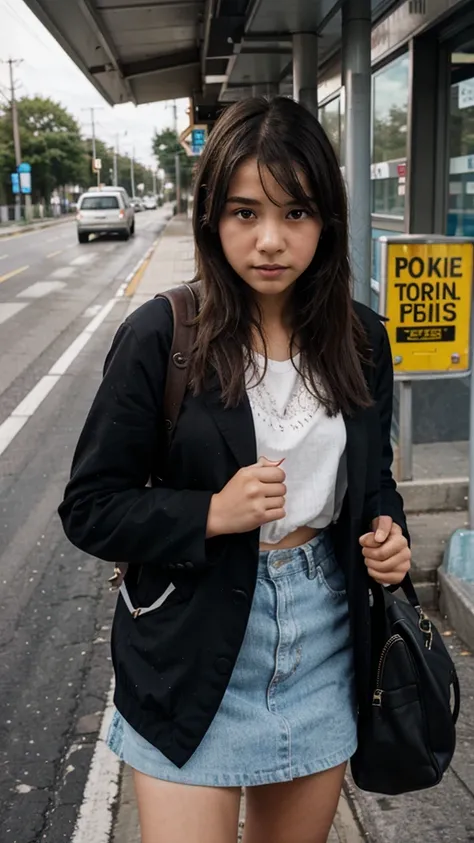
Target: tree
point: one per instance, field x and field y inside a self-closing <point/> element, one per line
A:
<point x="165" y="147"/>
<point x="50" y="141"/>
<point x="390" y="136"/>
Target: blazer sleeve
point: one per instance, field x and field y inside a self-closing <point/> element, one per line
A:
<point x="108" y="511"/>
<point x="390" y="501"/>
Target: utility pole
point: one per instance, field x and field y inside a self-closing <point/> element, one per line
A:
<point x="93" y="109"/>
<point x="16" y="131"/>
<point x="116" y="160"/>
<point x="177" y="162"/>
<point x="154" y="182"/>
<point x="132" y="171"/>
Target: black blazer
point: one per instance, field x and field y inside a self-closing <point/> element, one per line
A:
<point x="173" y="665"/>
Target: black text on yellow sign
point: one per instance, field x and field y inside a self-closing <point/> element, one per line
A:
<point x="428" y="304"/>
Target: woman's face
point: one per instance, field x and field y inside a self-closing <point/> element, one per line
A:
<point x="269" y="245"/>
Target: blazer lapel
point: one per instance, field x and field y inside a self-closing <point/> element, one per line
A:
<point x="235" y="424"/>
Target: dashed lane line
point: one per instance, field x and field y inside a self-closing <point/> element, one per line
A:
<point x="26" y="408"/>
<point x="13" y="273"/>
<point x="53" y="254"/>
<point x="9" y="309"/>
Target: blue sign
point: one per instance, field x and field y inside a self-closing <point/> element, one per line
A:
<point x="15" y="183"/>
<point x="198" y="140"/>
<point x="24" y="171"/>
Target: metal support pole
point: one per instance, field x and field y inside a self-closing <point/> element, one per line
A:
<point x="471" y="430"/>
<point x="406" y="431"/>
<point x="305" y="70"/>
<point x="356" y="47"/>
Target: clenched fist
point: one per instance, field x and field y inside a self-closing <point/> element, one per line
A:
<point x="254" y="496"/>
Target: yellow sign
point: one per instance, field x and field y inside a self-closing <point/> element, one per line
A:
<point x="428" y="304"/>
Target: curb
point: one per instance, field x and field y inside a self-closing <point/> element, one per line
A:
<point x="38" y="226"/>
<point x="132" y="281"/>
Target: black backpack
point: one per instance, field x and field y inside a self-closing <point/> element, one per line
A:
<point x="407" y="734"/>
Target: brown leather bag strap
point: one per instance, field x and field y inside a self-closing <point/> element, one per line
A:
<point x="184" y="304"/>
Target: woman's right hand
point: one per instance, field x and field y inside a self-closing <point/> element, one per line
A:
<point x="254" y="496"/>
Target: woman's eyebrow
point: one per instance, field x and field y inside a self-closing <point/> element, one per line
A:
<point x="242" y="200"/>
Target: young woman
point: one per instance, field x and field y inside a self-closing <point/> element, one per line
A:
<point x="270" y="518"/>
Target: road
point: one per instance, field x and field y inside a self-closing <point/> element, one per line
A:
<point x="56" y="298"/>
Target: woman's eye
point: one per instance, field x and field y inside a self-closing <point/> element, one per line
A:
<point x="244" y="214"/>
<point x="298" y="214"/>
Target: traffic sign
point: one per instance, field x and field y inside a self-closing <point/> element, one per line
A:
<point x="97" y="165"/>
<point x="426" y="294"/>
<point x="24" y="171"/>
<point x="193" y="139"/>
<point x="15" y="183"/>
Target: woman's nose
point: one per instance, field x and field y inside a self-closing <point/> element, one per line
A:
<point x="270" y="238"/>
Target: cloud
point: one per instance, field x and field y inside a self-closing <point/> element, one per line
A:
<point x="47" y="71"/>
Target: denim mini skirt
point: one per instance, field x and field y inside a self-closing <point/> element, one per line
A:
<point x="290" y="708"/>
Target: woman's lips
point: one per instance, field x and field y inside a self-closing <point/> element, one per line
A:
<point x="270" y="270"/>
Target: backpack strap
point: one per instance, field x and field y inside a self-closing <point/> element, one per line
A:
<point x="184" y="304"/>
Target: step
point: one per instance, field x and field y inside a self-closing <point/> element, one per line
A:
<point x="430" y="532"/>
<point x="434" y="495"/>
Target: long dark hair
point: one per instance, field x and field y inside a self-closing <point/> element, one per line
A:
<point x="285" y="138"/>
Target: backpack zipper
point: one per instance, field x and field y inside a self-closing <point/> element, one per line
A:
<point x="377" y="695"/>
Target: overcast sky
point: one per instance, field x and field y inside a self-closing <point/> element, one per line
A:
<point x="47" y="71"/>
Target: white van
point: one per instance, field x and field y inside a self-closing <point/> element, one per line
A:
<point x="104" y="211"/>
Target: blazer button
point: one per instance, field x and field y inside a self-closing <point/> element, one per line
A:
<point x="180" y="566"/>
<point x="189" y="565"/>
<point x="239" y="597"/>
<point x="223" y="666"/>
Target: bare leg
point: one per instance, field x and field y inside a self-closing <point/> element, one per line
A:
<point x="180" y="813"/>
<point x="300" y="811"/>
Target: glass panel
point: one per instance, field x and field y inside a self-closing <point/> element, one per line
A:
<point x="99" y="203"/>
<point x="330" y="119"/>
<point x="461" y="144"/>
<point x="389" y="137"/>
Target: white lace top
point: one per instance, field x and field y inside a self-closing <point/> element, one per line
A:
<point x="291" y="423"/>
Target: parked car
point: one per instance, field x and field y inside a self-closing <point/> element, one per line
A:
<point x="137" y="203"/>
<point x="149" y="203"/>
<point x="105" y="211"/>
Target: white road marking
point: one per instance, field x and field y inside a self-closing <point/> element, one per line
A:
<point x="35" y="397"/>
<point x="2" y="257"/>
<point x="25" y="409"/>
<point x="63" y="272"/>
<point x="40" y="289"/>
<point x="83" y="259"/>
<point x="94" y="822"/>
<point x="52" y="239"/>
<point x="8" y="309"/>
<point x="91" y="311"/>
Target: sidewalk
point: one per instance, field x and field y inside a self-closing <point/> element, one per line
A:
<point x="442" y="815"/>
<point x="12" y="229"/>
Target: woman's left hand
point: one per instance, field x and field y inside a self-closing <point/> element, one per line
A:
<point x="386" y="551"/>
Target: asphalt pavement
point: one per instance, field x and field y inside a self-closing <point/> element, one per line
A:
<point x="57" y="298"/>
